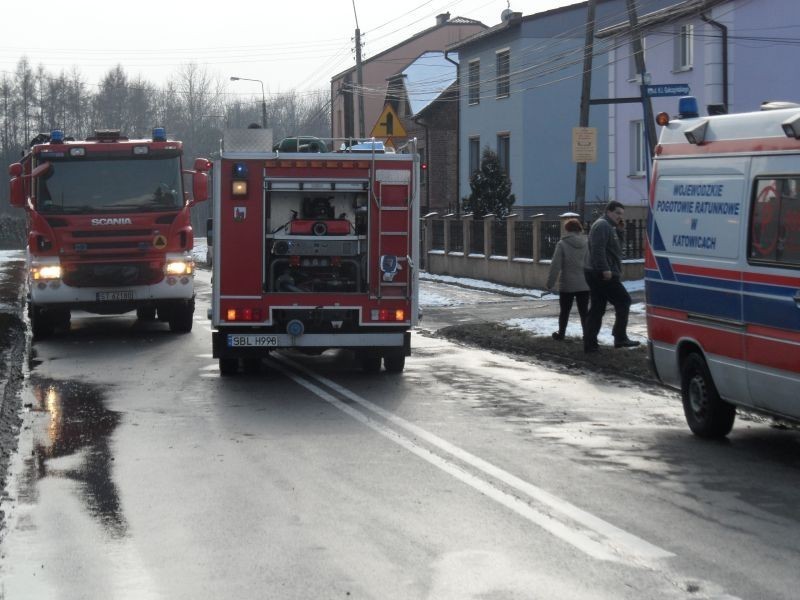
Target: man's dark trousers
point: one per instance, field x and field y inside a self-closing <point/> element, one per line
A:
<point x="603" y="291"/>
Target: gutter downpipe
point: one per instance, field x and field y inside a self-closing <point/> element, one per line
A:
<point x="458" y="131"/>
<point x="724" y="30"/>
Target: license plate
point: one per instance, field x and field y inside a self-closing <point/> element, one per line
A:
<point x="252" y="341"/>
<point x="115" y="296"/>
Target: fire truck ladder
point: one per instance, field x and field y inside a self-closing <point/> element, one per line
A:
<point x="393" y="202"/>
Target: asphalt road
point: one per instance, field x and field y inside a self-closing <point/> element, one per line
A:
<point x="141" y="473"/>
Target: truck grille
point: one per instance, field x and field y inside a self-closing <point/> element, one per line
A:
<point x="99" y="275"/>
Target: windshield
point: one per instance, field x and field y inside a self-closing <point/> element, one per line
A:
<point x="110" y="185"/>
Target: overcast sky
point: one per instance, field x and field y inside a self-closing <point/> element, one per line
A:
<point x="288" y="45"/>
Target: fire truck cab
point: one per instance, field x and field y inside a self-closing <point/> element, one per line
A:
<point x="109" y="227"/>
<point x="313" y="249"/>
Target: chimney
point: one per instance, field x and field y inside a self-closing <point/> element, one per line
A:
<point x="442" y="18"/>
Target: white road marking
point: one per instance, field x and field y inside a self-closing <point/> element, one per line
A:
<point x="595" y="537"/>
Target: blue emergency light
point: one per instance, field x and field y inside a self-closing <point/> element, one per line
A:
<point x="159" y="134"/>
<point x="687" y="108"/>
<point x="56" y="136"/>
<point x="239" y="171"/>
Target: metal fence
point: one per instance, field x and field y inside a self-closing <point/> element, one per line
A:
<point x="437" y="235"/>
<point x="456" y="236"/>
<point x="476" y="238"/>
<point x="499" y="237"/>
<point x="523" y="239"/>
<point x="550" y="234"/>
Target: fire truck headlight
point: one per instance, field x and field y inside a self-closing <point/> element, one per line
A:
<point x="179" y="267"/>
<point x="45" y="272"/>
<point x="239" y="188"/>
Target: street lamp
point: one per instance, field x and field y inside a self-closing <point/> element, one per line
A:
<point x="263" y="99"/>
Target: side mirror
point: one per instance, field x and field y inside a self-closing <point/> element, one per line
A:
<point x="17" y="196"/>
<point x="202" y="164"/>
<point x="199" y="186"/>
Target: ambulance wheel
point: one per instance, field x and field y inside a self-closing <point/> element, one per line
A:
<point x="371" y="362"/>
<point x="42" y="323"/>
<point x="395" y="361"/>
<point x="146" y="313"/>
<point x="181" y="317"/>
<point x="708" y="415"/>
<point x="228" y="366"/>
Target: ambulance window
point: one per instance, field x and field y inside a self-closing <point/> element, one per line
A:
<point x="775" y="222"/>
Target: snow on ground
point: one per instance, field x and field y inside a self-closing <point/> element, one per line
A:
<point x="543" y="326"/>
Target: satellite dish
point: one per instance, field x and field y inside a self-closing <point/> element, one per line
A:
<point x="506" y="15"/>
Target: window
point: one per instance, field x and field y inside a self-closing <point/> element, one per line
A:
<point x="638" y="149"/>
<point x="775" y="222"/>
<point x="474" y="155"/>
<point x="633" y="72"/>
<point x="684" y="47"/>
<point x="503" y="73"/>
<point x="475" y="82"/>
<point x="504" y="151"/>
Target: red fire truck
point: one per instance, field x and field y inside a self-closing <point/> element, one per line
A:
<point x="314" y="249"/>
<point x="108" y="227"/>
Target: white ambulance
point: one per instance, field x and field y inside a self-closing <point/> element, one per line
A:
<point x="722" y="269"/>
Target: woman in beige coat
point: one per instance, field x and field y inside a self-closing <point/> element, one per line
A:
<point x="567" y="267"/>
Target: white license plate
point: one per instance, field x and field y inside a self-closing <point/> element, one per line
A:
<point x="252" y="341"/>
<point x="115" y="296"/>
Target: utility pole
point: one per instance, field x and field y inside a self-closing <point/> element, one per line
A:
<point x="586" y="87"/>
<point x="638" y="55"/>
<point x="359" y="77"/>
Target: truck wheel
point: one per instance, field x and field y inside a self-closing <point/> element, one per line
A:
<point x="395" y="361"/>
<point x="42" y="323"/>
<point x="228" y="366"/>
<point x="707" y="414"/>
<point x="181" y="317"/>
<point x="371" y="362"/>
<point x="146" y="313"/>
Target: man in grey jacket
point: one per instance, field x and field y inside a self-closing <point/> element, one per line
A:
<point x="603" y="271"/>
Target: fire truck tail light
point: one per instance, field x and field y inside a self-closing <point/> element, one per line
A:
<point x="388" y="314"/>
<point x="239" y="188"/>
<point x="244" y="314"/>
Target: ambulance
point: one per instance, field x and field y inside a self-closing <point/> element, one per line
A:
<point x="722" y="267"/>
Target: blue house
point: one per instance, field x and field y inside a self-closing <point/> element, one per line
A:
<point x="520" y="89"/>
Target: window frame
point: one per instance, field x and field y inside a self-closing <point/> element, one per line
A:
<point x="474" y="143"/>
<point x="638" y="166"/>
<point x="474" y="82"/>
<point x="503" y="79"/>
<point x="756" y="257"/>
<point x="684" y="47"/>
<point x="504" y="156"/>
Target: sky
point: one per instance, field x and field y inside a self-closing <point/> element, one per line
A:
<point x="287" y="45"/>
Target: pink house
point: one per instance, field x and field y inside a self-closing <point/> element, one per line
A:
<point x="377" y="69"/>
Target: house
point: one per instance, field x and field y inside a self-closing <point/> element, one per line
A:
<point x="377" y="69"/>
<point x="731" y="53"/>
<point x="424" y="97"/>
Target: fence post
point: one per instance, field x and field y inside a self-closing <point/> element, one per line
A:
<point x="488" y="234"/>
<point x="511" y="236"/>
<point x="536" y="234"/>
<point x="446" y="218"/>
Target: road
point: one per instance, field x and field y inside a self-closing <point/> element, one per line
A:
<point x="143" y="474"/>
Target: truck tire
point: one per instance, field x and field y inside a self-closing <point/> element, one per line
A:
<point x="394" y="360"/>
<point x="370" y="362"/>
<point x="181" y="317"/>
<point x="708" y="415"/>
<point x="146" y="313"/>
<point x="228" y="366"/>
<point x="42" y="324"/>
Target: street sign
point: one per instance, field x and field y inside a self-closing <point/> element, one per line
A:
<point x="666" y="89"/>
<point x="584" y="144"/>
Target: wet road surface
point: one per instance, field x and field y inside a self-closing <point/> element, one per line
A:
<point x="143" y="474"/>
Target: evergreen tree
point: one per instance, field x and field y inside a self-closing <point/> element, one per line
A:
<point x="491" y="189"/>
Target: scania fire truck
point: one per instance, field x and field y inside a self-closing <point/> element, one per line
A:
<point x="109" y="227"/>
<point x="314" y="248"/>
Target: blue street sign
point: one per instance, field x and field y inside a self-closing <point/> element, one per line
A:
<point x="666" y="89"/>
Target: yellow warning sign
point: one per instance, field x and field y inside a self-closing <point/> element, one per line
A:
<point x="160" y="242"/>
<point x="388" y="124"/>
